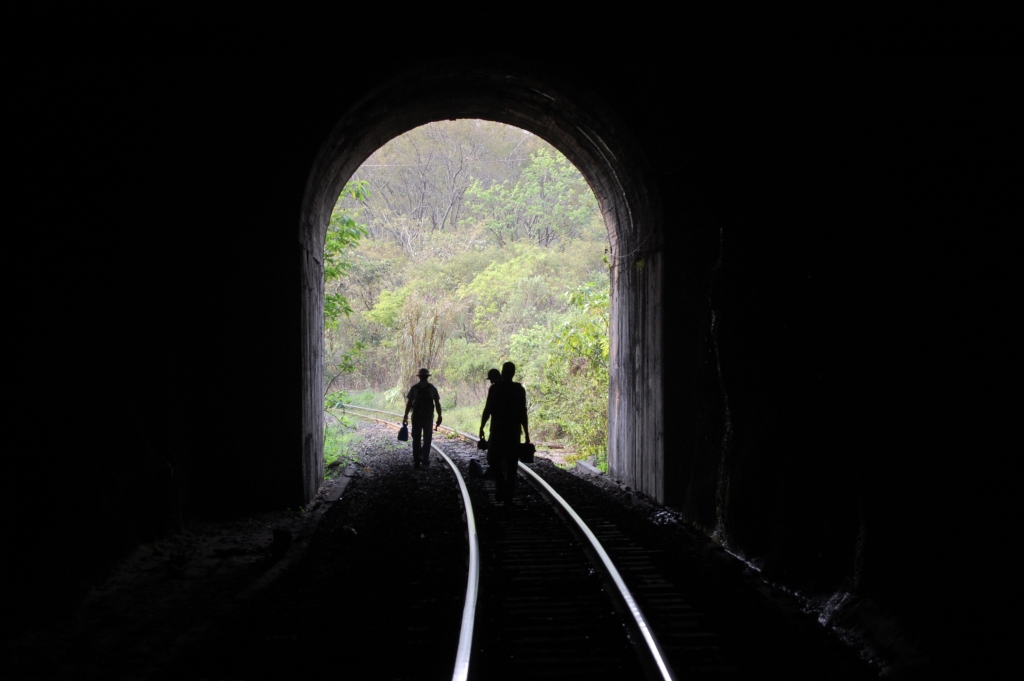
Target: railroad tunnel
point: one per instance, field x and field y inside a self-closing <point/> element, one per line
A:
<point x="773" y="343"/>
<point x="578" y="125"/>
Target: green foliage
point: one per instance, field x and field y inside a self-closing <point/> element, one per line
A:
<point x="465" y="361"/>
<point x="343" y="234"/>
<point x="388" y="309"/>
<point x="548" y="203"/>
<point x="479" y="244"/>
<point x="525" y="290"/>
<point x="573" y="395"/>
<point x="586" y="336"/>
<point x="508" y="296"/>
<point x="364" y="398"/>
<point x="532" y="348"/>
<point x="394" y="396"/>
<point x="339" y="439"/>
<point x="465" y="419"/>
<point x="427" y="320"/>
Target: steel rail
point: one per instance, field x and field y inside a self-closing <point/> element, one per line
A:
<point x="634" y="609"/>
<point x="378" y="411"/>
<point x="465" y="648"/>
<point x="392" y="413"/>
<point x="473" y="582"/>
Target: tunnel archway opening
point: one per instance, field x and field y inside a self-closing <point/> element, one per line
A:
<point x="478" y="243"/>
<point x="582" y="128"/>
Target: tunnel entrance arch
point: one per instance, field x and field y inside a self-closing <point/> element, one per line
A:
<point x="584" y="129"/>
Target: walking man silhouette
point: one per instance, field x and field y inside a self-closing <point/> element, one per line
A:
<point x="506" y="408"/>
<point x="421" y="400"/>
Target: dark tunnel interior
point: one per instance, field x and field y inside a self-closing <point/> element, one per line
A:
<point x="780" y="330"/>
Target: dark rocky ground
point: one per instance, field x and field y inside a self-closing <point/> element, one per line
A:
<point x="345" y="581"/>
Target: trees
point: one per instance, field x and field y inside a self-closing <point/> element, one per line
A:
<point x="420" y="179"/>
<point x="476" y="179"/>
<point x="343" y="234"/>
<point x="481" y="243"/>
<point x="573" y="394"/>
<point x="549" y="202"/>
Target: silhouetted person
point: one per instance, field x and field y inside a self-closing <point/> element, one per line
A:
<point x="421" y="400"/>
<point x="506" y="408"/>
<point x="494" y="376"/>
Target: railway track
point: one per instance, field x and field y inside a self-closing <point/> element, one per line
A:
<point x="543" y="598"/>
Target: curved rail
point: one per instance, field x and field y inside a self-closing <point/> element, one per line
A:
<point x="613" y="572"/>
<point x="650" y="640"/>
<point x="465" y="649"/>
<point x="393" y="425"/>
<point x="472" y="583"/>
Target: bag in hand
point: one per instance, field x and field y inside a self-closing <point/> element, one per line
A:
<point x="403" y="433"/>
<point x="526" y="452"/>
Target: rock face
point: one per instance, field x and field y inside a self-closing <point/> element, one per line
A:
<point x="774" y="347"/>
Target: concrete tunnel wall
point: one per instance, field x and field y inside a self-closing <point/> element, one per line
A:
<point x="588" y="133"/>
<point x="780" y="213"/>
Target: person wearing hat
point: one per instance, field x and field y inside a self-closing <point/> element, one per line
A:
<point x="421" y="401"/>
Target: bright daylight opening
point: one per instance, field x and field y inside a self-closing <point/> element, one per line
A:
<point x="455" y="247"/>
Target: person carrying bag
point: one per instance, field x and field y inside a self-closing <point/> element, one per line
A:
<point x="421" y="401"/>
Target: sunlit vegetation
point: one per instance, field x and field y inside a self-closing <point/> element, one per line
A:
<point x="458" y="246"/>
<point x="339" y="438"/>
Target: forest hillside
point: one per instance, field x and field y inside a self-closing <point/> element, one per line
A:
<point x="458" y="246"/>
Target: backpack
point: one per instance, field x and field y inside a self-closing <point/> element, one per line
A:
<point x="424" y="400"/>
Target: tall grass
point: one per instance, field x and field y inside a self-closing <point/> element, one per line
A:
<point x="465" y="419"/>
<point x="340" y="438"/>
<point x="364" y="398"/>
